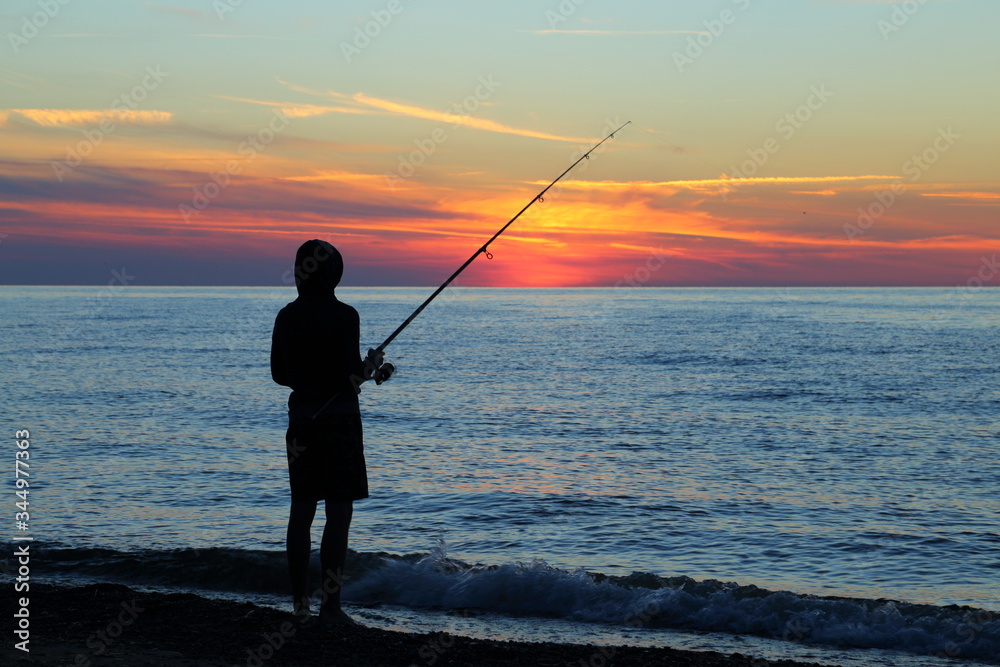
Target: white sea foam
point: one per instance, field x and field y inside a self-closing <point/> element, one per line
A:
<point x="539" y="589"/>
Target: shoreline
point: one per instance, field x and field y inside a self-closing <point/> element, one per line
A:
<point x="112" y="624"/>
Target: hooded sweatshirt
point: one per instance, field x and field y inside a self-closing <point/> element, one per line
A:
<point x="316" y="339"/>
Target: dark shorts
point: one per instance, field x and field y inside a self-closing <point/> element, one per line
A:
<point x="326" y="459"/>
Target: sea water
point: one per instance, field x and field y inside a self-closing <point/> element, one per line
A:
<point x="706" y="460"/>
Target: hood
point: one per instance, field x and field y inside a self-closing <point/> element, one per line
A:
<point x="318" y="268"/>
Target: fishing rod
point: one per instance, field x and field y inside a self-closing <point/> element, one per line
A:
<point x="373" y="362"/>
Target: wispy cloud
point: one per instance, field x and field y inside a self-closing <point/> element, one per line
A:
<point x="307" y="110"/>
<point x="614" y="33"/>
<point x="104" y="198"/>
<point x="340" y="176"/>
<point x="308" y="91"/>
<point x="445" y="117"/>
<point x="228" y="36"/>
<point x="624" y="186"/>
<point x="362" y="103"/>
<point x="643" y="248"/>
<point x="296" y="110"/>
<point x="87" y="117"/>
<point x="964" y="195"/>
<point x="851" y="3"/>
<point x="16" y="79"/>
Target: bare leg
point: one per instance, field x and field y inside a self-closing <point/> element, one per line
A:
<point x="333" y="554"/>
<point x="297" y="546"/>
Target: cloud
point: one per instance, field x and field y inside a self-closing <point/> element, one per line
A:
<point x="624" y="186"/>
<point x="296" y="110"/>
<point x="367" y="103"/>
<point x="130" y="213"/>
<point x="615" y="33"/>
<point x="855" y="3"/>
<point x="16" y="79"/>
<point x="964" y="195"/>
<point x="340" y="176"/>
<point x="99" y="198"/>
<point x="307" y="110"/>
<point x="224" y="36"/>
<point x="965" y="198"/>
<point x="468" y="121"/>
<point x="88" y="117"/>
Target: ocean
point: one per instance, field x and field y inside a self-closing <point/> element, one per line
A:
<point x="798" y="472"/>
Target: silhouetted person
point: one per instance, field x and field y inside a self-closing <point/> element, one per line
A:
<point x="315" y="351"/>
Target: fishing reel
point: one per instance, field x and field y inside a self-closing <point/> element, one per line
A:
<point x="384" y="372"/>
<point x="375" y="369"/>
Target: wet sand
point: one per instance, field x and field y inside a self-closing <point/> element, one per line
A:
<point x="109" y="624"/>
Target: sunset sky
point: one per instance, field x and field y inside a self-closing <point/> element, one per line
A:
<point x="786" y="142"/>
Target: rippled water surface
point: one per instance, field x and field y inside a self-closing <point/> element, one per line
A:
<point x="830" y="441"/>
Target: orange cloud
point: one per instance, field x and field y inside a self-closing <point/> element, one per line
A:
<point x="972" y="196"/>
<point x="594" y="233"/>
<point x="376" y="180"/>
<point x="295" y="110"/>
<point x="89" y="117"/>
<point x="628" y="186"/>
